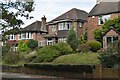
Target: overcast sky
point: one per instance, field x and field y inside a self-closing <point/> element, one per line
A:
<point x="54" y="8"/>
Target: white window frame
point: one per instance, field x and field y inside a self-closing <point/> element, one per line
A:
<point x="12" y="37"/>
<point x="62" y="39"/>
<point x="19" y="36"/>
<point x="80" y="24"/>
<point x="103" y="18"/>
<point x="42" y="43"/>
<point x="50" y="42"/>
<point x="53" y="28"/>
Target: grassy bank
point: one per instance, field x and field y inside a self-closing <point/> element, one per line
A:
<point x="88" y="58"/>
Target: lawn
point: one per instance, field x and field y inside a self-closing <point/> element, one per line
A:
<point x="88" y="58"/>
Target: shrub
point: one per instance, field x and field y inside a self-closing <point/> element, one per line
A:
<point x="46" y="54"/>
<point x="32" y="44"/>
<point x="23" y="45"/>
<point x="11" y="58"/>
<point x="83" y="48"/>
<point x="72" y="39"/>
<point x="63" y="48"/>
<point x="5" y="49"/>
<point x="111" y="56"/>
<point x="94" y="45"/>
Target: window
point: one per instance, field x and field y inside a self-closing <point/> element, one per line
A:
<point x="19" y="36"/>
<point x="103" y="19"/>
<point x="42" y="43"/>
<point x="53" y="28"/>
<point x="62" y="39"/>
<point x="80" y="24"/>
<point x="12" y="37"/>
<point x="111" y="39"/>
<point x="67" y="25"/>
<point x="64" y="26"/>
<point x="26" y="35"/>
<point x="49" y="41"/>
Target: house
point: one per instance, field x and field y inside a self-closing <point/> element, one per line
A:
<point x="100" y="13"/>
<point x="33" y="31"/>
<point x="51" y="32"/>
<point x="59" y="27"/>
<point x="110" y="36"/>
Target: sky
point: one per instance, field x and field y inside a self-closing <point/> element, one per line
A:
<point x="54" y="8"/>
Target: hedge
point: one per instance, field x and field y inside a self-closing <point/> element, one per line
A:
<point x="61" y="67"/>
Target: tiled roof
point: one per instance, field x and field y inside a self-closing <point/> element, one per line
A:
<point x="35" y="26"/>
<point x="111" y="28"/>
<point x="74" y="13"/>
<point x="104" y="8"/>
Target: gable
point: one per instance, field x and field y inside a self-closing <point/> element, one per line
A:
<point x="112" y="33"/>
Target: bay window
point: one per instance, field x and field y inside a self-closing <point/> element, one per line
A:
<point x="64" y="26"/>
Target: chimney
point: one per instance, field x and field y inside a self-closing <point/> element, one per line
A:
<point x="43" y="26"/>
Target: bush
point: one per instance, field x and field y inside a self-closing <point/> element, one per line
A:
<point x="47" y="54"/>
<point x="83" y="48"/>
<point x="23" y="45"/>
<point x="5" y="49"/>
<point x="94" y="45"/>
<point x="63" y="48"/>
<point x="111" y="56"/>
<point x="11" y="58"/>
<point x="32" y="44"/>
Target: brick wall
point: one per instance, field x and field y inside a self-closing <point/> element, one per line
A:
<point x="93" y="24"/>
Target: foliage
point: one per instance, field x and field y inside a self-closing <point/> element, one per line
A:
<point x="94" y="45"/>
<point x="11" y="58"/>
<point x="46" y="54"/>
<point x="114" y="23"/>
<point x="111" y="56"/>
<point x="10" y="17"/>
<point x="83" y="48"/>
<point x="87" y="58"/>
<point x="63" y="48"/>
<point x="82" y="40"/>
<point x="61" y="67"/>
<point x="72" y="39"/>
<point x="23" y="45"/>
<point x="5" y="49"/>
<point x="32" y="44"/>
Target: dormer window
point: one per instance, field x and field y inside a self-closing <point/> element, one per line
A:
<point x="102" y="19"/>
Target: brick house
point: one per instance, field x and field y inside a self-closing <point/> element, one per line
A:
<point x="110" y="36"/>
<point x="59" y="27"/>
<point x="52" y="32"/>
<point x="34" y="31"/>
<point x="100" y="13"/>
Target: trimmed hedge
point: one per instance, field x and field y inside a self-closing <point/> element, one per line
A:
<point x="61" y="67"/>
<point x="94" y="45"/>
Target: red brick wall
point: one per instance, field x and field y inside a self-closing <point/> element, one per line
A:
<point x="93" y="24"/>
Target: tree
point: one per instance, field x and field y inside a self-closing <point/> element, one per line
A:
<point x="32" y="44"/>
<point x="114" y="23"/>
<point x="12" y="10"/>
<point x="72" y="39"/>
